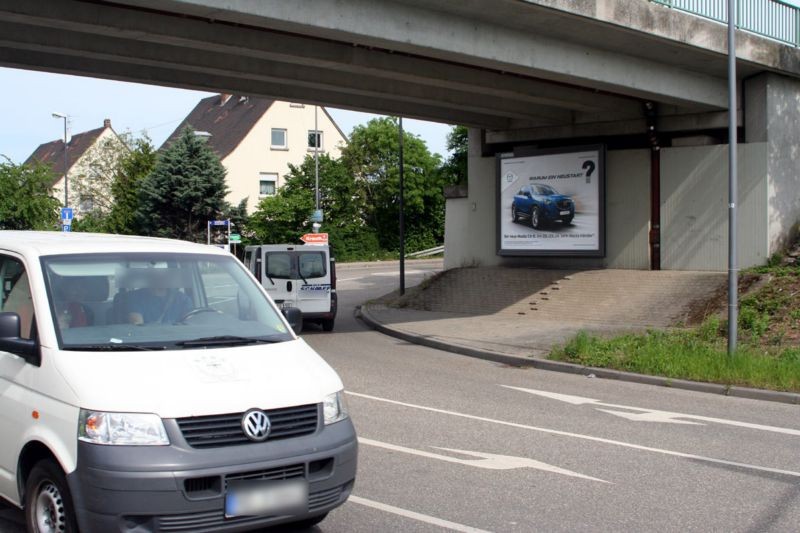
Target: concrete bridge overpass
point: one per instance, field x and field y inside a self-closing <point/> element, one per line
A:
<point x="534" y="72"/>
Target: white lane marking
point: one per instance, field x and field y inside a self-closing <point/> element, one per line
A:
<point x="416" y="516"/>
<point x="583" y="437"/>
<point x="652" y="415"/>
<point x="487" y="460"/>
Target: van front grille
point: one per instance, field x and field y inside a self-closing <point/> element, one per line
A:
<point x="226" y="430"/>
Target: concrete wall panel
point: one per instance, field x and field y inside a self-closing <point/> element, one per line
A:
<point x="694" y="207"/>
<point x="627" y="209"/>
<point x="469" y="233"/>
<point x="783" y="141"/>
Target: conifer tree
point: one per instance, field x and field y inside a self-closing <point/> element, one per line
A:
<point x="185" y="190"/>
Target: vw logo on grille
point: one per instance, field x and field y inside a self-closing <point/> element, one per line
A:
<point x="256" y="425"/>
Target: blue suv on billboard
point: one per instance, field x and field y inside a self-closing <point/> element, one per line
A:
<point x="540" y="203"/>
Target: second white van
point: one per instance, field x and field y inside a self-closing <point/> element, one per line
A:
<point x="301" y="276"/>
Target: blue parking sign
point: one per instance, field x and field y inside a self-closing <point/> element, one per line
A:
<point x="66" y="227"/>
<point x="66" y="214"/>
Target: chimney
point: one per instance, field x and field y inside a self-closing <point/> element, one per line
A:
<point x="107" y="123"/>
<point x="223" y="99"/>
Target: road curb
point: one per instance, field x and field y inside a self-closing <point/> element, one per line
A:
<point x="363" y="313"/>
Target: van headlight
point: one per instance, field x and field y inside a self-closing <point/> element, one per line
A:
<point x="127" y="429"/>
<point x="334" y="408"/>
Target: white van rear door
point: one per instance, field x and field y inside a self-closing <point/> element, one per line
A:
<point x="314" y="294"/>
<point x="280" y="278"/>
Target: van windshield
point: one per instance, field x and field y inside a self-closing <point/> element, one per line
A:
<point x="156" y="301"/>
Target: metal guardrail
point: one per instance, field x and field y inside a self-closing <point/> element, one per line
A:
<point x="769" y="18"/>
<point x="429" y="251"/>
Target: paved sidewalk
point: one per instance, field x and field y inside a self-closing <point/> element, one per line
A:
<point x="516" y="315"/>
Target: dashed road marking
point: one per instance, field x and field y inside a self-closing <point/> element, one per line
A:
<point x="671" y="453"/>
<point x="415" y="516"/>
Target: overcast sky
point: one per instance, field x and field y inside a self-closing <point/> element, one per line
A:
<point x="28" y="99"/>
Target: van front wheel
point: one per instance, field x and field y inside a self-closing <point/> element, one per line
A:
<point x="327" y="324"/>
<point x="48" y="505"/>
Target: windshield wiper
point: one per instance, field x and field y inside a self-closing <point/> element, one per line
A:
<point x="229" y="340"/>
<point x="112" y="347"/>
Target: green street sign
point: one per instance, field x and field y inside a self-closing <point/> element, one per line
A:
<point x="235" y="237"/>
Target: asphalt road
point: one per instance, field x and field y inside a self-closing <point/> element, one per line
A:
<point x="450" y="443"/>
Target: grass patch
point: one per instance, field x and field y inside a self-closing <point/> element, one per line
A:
<point x="768" y="355"/>
<point x="688" y="355"/>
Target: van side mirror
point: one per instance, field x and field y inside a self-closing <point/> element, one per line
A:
<point x="11" y="342"/>
<point x="295" y="318"/>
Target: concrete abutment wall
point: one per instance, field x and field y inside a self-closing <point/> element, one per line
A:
<point x="694" y="196"/>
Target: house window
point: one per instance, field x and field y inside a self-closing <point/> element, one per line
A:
<point x="278" y="139"/>
<point x="314" y="137"/>
<point x="268" y="184"/>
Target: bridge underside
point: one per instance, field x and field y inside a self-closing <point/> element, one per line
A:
<point x="630" y="75"/>
<point x="524" y="70"/>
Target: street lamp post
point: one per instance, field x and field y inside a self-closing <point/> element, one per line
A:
<point x="66" y="183"/>
<point x="733" y="270"/>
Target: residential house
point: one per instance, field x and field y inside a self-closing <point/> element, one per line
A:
<point x="92" y="158"/>
<point x="256" y="139"/>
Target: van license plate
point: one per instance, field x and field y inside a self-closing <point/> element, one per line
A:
<point x="259" y="498"/>
<point x="564" y="213"/>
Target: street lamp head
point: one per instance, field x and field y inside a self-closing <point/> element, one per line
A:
<point x="59" y="115"/>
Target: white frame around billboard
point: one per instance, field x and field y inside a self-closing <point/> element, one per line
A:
<point x="557" y="165"/>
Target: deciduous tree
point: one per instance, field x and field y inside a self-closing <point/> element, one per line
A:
<point x="26" y="197"/>
<point x="285" y="217"/>
<point x="132" y="169"/>
<point x="372" y="156"/>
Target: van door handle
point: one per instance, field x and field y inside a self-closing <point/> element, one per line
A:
<point x="288" y="286"/>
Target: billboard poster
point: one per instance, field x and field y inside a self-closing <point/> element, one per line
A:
<point x="552" y="203"/>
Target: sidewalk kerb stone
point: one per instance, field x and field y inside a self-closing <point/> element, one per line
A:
<point x="558" y="366"/>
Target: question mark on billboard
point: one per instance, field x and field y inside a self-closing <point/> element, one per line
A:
<point x="589" y="167"/>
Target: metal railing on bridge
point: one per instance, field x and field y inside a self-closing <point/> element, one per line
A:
<point x="770" y="18"/>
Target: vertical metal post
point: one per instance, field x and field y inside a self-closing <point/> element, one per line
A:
<point x="402" y="219"/>
<point x="64" y="116"/>
<point x="316" y="161"/>
<point x="733" y="277"/>
<point x="797" y="27"/>
<point x="66" y="163"/>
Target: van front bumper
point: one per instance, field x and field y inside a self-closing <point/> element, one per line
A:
<point x="180" y="488"/>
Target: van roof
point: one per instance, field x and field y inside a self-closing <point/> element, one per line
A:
<point x="41" y="243"/>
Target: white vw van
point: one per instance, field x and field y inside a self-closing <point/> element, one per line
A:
<point x="301" y="276"/>
<point x="151" y="385"/>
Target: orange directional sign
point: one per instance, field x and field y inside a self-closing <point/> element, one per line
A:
<point x="315" y="238"/>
